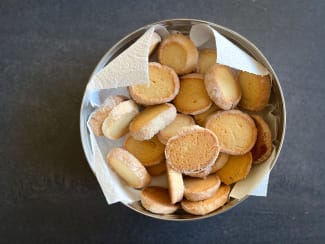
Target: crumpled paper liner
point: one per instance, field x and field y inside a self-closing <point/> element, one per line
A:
<point x="131" y="68"/>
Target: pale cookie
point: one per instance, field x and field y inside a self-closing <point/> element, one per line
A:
<point x="101" y="113"/>
<point x="235" y="130"/>
<point x="208" y="205"/>
<point x="255" y="89"/>
<point x="201" y="118"/>
<point x="155" y="40"/>
<point x="163" y="86"/>
<point x="178" y="52"/>
<point x="218" y="164"/>
<point x="207" y="58"/>
<point x="128" y="167"/>
<point x="149" y="152"/>
<point x="263" y="146"/>
<point x="117" y="122"/>
<point x="156" y="200"/>
<point x="179" y="122"/>
<point x="193" y="149"/>
<point x="175" y="185"/>
<point x="222" y="86"/>
<point x="192" y="97"/>
<point x="200" y="189"/>
<point x="158" y="169"/>
<point x="151" y="120"/>
<point x="236" y="168"/>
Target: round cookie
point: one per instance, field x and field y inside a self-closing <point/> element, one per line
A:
<point x="148" y="152"/>
<point x="207" y="58"/>
<point x="222" y="86"/>
<point x="192" y="97"/>
<point x="163" y="86"/>
<point x="201" y="118"/>
<point x="128" y="168"/>
<point x="100" y="114"/>
<point x="172" y="129"/>
<point x="235" y="130"/>
<point x="255" y="89"/>
<point x="193" y="149"/>
<point x="157" y="169"/>
<point x="178" y="52"/>
<point x="151" y="120"/>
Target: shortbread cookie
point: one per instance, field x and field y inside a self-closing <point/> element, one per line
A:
<point x="202" y="117"/>
<point x="235" y="130"/>
<point x="178" y="52"/>
<point x="149" y="152"/>
<point x="193" y="149"/>
<point x="101" y="113"/>
<point x="236" y="168"/>
<point x="151" y="120"/>
<point x="128" y="167"/>
<point x="156" y="200"/>
<point x="163" y="86"/>
<point x="208" y="205"/>
<point x="218" y="164"/>
<point x="155" y="40"/>
<point x="192" y="97"/>
<point x="179" y="122"/>
<point x="200" y="189"/>
<point x="117" y="122"/>
<point x="256" y="90"/>
<point x="263" y="146"/>
<point x="175" y="185"/>
<point x="158" y="169"/>
<point x="222" y="86"/>
<point x="207" y="58"/>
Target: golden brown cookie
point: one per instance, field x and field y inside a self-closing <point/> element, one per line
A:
<point x="163" y="86"/>
<point x="158" y="169"/>
<point x="149" y="152"/>
<point x="235" y="130"/>
<point x="222" y="86"/>
<point x="255" y="89"/>
<point x="178" y="52"/>
<point x="128" y="168"/>
<point x="202" y="117"/>
<point x="263" y="146"/>
<point x="207" y="58"/>
<point x="192" y="97"/>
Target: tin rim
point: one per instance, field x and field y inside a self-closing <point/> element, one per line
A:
<point x="238" y="39"/>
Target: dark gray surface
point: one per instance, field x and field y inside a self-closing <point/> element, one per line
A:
<point x="47" y="191"/>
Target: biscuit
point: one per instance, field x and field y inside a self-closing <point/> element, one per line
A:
<point x="163" y="86"/>
<point x="197" y="189"/>
<point x="192" y="97"/>
<point x="222" y="86"/>
<point x="128" y="167"/>
<point x="263" y="146"/>
<point x="255" y="89"/>
<point x="235" y="130"/>
<point x="178" y="52"/>
<point x="155" y="40"/>
<point x="207" y="58"/>
<point x="157" y="169"/>
<point x="236" y="168"/>
<point x="148" y="152"/>
<point x="151" y="120"/>
<point x="175" y="185"/>
<point x="201" y="118"/>
<point x="156" y="200"/>
<point x="193" y="149"/>
<point x="179" y="122"/>
<point x="117" y="122"/>
<point x="208" y="205"/>
<point x="100" y="114"/>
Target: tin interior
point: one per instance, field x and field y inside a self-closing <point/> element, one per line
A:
<point x="184" y="26"/>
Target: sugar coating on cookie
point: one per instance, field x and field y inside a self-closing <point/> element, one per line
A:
<point x="163" y="86"/>
<point x="178" y="52"/>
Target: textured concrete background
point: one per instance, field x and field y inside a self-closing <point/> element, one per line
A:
<point x="47" y="192"/>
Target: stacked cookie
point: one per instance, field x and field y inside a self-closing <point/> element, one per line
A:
<point x="193" y="121"/>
